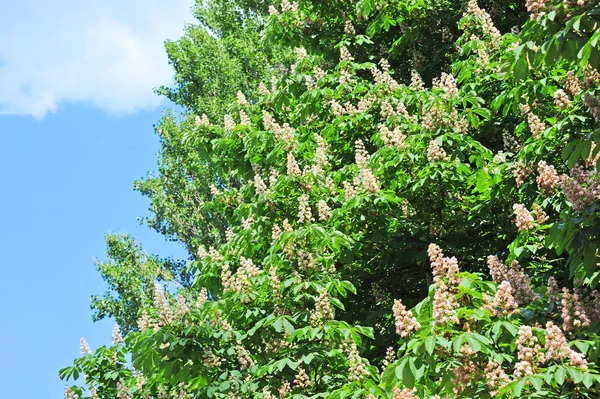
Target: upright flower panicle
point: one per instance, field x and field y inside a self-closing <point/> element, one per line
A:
<point x="547" y="177"/>
<point x="536" y="126"/>
<point x="259" y="185"/>
<point x="442" y="266"/>
<point x="202" y="121"/>
<point x="519" y="282"/>
<point x="293" y="169"/>
<point x="202" y="297"/>
<point x="406" y="322"/>
<point x="504" y="303"/>
<point x="416" y="82"/>
<point x="529" y="353"/>
<point x="369" y="180"/>
<point x="520" y="173"/>
<point x="228" y="123"/>
<point x="447" y="83"/>
<point x="241" y="99"/>
<point x="435" y="152"/>
<point x="345" y="55"/>
<point x="573" y="313"/>
<point x="304" y="211"/>
<point x="523" y="219"/>
<point x="558" y="349"/>
<point x="322" y="311"/>
<point x="561" y="99"/>
<point x="181" y="308"/>
<point x="143" y="322"/>
<point x="161" y="303"/>
<point x="84" y="347"/>
<point x="324" y="210"/>
<point x="117" y="338"/>
<point x="496" y="377"/>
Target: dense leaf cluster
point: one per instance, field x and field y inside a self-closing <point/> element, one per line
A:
<point x="329" y="152"/>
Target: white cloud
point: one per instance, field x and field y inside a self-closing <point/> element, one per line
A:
<point x="105" y="53"/>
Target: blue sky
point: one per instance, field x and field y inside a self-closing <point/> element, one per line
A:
<point x="76" y="116"/>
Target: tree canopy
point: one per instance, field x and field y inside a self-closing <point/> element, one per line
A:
<point x="379" y="199"/>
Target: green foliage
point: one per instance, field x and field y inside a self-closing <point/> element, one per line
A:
<point x="131" y="275"/>
<point x="309" y="212"/>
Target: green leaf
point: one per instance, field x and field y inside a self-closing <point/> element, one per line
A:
<point x="521" y="67"/>
<point x="559" y="375"/>
<point x="430" y="344"/>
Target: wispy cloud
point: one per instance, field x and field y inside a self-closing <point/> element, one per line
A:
<point x="105" y="53"/>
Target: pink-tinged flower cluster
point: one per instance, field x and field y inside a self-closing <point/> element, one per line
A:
<point x="416" y="82"/>
<point x="283" y="133"/>
<point x="488" y="25"/>
<point x="561" y="99"/>
<point x="529" y="353"/>
<point x="165" y="316"/>
<point x="202" y="298"/>
<point x="202" y="121"/>
<point x="536" y="126"/>
<point x="358" y="370"/>
<point x="552" y="289"/>
<point x="241" y="281"/>
<point x="349" y="28"/>
<point x="435" y="152"/>
<point x="241" y="99"/>
<point x="324" y="210"/>
<point x="143" y="322"/>
<point x="404" y="393"/>
<point x="259" y="185"/>
<point x="302" y="380"/>
<point x="521" y="172"/>
<point x="519" y="281"/>
<point x="503" y="303"/>
<point x="123" y="390"/>
<point x="572" y="84"/>
<point x="547" y="177"/>
<point x="244" y="119"/>
<point x="368" y="178"/>
<point x="243" y="357"/>
<point x="536" y="8"/>
<point x="540" y="216"/>
<point x="573" y="313"/>
<point x="466" y="372"/>
<point x="443" y="266"/>
<point x="444" y="305"/>
<point x="581" y="188"/>
<point x="228" y="123"/>
<point x="406" y="322"/>
<point x="392" y="138"/>
<point x="524" y="220"/>
<point x="447" y="83"/>
<point x="558" y="349"/>
<point x="496" y="377"/>
<point x="593" y="106"/>
<point x="390" y="357"/>
<point x="293" y="169"/>
<point x="322" y="311"/>
<point x="591" y="76"/>
<point x="444" y="300"/>
<point x="301" y="53"/>
<point x="181" y="307"/>
<point x="287" y="6"/>
<point x="304" y="211"/>
<point x="383" y="77"/>
<point x="84" y="347"/>
<point x="321" y="161"/>
<point x="345" y="55"/>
